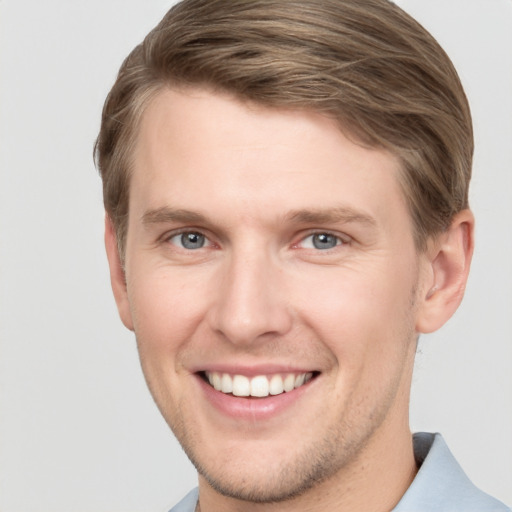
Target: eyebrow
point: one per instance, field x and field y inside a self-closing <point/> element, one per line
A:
<point x="334" y="215"/>
<point x="166" y="214"/>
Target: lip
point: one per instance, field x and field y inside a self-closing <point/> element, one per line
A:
<point x="250" y="408"/>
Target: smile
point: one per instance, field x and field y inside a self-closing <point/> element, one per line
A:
<point x="260" y="386"/>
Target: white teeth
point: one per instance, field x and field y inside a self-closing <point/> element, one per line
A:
<point x="216" y="381"/>
<point x="276" y="385"/>
<point x="241" y="385"/>
<point x="299" y="380"/>
<point x="289" y="382"/>
<point x="260" y="386"/>
<point x="226" y="383"/>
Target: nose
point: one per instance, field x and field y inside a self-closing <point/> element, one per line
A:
<point x="251" y="302"/>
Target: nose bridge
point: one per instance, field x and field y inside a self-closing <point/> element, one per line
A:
<point x="250" y="301"/>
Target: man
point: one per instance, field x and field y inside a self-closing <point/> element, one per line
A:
<point x="286" y="190"/>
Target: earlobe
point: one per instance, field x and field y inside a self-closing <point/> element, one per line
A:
<point x="449" y="262"/>
<point x="117" y="274"/>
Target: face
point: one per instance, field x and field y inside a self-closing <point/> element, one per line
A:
<point x="272" y="283"/>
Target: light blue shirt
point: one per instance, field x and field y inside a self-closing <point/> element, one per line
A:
<point x="439" y="486"/>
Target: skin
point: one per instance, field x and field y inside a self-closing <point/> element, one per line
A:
<point x="259" y="184"/>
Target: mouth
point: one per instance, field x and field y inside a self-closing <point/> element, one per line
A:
<point x="259" y="386"/>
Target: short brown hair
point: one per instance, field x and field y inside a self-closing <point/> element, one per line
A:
<point x="365" y="63"/>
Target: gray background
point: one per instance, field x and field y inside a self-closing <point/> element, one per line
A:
<point x="78" y="430"/>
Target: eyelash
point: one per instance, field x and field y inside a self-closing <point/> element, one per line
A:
<point x="168" y="238"/>
<point x="339" y="241"/>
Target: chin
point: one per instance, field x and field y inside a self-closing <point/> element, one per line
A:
<point x="267" y="475"/>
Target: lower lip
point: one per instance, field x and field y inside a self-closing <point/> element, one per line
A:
<point x="252" y="409"/>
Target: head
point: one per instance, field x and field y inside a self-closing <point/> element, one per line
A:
<point x="286" y="193"/>
<point x="367" y="65"/>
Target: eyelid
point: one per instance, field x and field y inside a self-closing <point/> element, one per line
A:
<point x="341" y="237"/>
<point x="169" y="235"/>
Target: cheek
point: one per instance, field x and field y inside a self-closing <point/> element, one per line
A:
<point x="166" y="308"/>
<point x="165" y="314"/>
<point x="354" y="311"/>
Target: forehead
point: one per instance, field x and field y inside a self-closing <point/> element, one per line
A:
<point x="209" y="151"/>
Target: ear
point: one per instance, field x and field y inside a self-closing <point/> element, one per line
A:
<point x="449" y="259"/>
<point x="117" y="274"/>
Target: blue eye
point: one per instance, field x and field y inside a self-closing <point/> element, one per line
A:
<point x="189" y="240"/>
<point x="321" y="241"/>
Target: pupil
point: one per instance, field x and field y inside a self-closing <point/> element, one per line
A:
<point x="192" y="240"/>
<point x="324" y="241"/>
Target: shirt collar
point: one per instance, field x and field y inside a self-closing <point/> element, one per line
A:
<point x="440" y="484"/>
